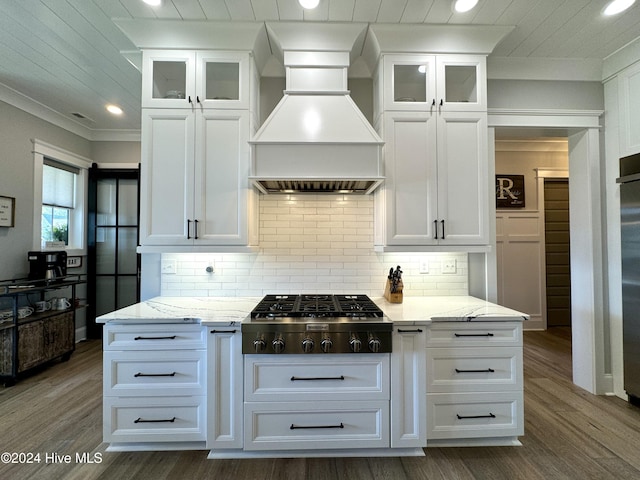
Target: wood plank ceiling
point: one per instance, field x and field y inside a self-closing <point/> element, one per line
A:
<point x="66" y="54"/>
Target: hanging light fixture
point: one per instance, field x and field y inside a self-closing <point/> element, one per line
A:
<point x="617" y="6"/>
<point x="309" y="4"/>
<point x="462" y="6"/>
<point x="153" y="3"/>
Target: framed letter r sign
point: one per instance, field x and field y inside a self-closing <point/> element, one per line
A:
<point x="509" y="191"/>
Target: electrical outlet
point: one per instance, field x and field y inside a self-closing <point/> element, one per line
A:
<point x="168" y="267"/>
<point x="424" y="266"/>
<point x="449" y="266"/>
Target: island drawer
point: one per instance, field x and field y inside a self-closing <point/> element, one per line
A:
<point x="149" y="419"/>
<point x="474" y="369"/>
<point x="302" y="426"/>
<point x="474" y="334"/>
<point x="154" y="337"/>
<point x="303" y="377"/>
<point x="474" y="415"/>
<point x="153" y="373"/>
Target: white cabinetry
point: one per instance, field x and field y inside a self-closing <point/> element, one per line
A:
<point x="629" y="85"/>
<point x="224" y="388"/>
<point x="436" y="191"/>
<point x="195" y="154"/>
<point x="185" y="78"/>
<point x="301" y="402"/>
<point x="408" y="387"/>
<point x="154" y="386"/>
<point x="474" y="383"/>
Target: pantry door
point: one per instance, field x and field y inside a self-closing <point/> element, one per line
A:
<point x="113" y="263"/>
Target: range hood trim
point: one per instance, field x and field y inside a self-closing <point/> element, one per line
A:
<point x="372" y="184"/>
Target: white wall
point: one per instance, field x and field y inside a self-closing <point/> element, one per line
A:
<point x="312" y="244"/>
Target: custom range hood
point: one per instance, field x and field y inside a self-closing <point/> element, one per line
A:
<point x="316" y="140"/>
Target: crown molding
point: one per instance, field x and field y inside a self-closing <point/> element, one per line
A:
<point x="20" y="101"/>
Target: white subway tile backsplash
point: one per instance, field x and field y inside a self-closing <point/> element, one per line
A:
<point x="312" y="244"/>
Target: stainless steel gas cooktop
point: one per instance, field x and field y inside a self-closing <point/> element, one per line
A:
<point x="316" y="323"/>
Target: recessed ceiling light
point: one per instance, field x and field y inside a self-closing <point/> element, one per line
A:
<point x="116" y="110"/>
<point x="308" y="4"/>
<point x="462" y="6"/>
<point x="618" y="6"/>
<point x="153" y="3"/>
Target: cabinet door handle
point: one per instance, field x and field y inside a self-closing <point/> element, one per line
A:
<point x="441" y="102"/>
<point x="293" y="379"/>
<point x="188" y="229"/>
<point x="461" y="417"/>
<point x="172" y="337"/>
<point x="223" y="331"/>
<point x="198" y="98"/>
<point x="196" y="228"/>
<point x="473" y="334"/>
<point x="410" y="331"/>
<point x="442" y="221"/>
<point x="433" y="104"/>
<point x="487" y="370"/>
<point x="435" y="229"/>
<point x="163" y="420"/>
<point x="298" y="427"/>
<point x="140" y="374"/>
<point x="189" y="98"/>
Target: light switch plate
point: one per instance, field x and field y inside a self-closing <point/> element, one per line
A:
<point x="168" y="266"/>
<point x="449" y="266"/>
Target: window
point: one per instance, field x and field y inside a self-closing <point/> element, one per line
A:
<point x="60" y="198"/>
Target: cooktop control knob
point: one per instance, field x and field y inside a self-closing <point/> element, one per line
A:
<point x="278" y="344"/>
<point x="326" y="344"/>
<point x="374" y="344"/>
<point x="259" y="344"/>
<point x="355" y="344"/>
<point x="307" y="345"/>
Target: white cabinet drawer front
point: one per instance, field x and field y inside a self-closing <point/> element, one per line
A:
<point x="305" y="377"/>
<point x="301" y="426"/>
<point x="180" y="372"/>
<point x="473" y="415"/>
<point x="163" y="419"/>
<point x="154" y="337"/>
<point x="474" y="334"/>
<point x="474" y="369"/>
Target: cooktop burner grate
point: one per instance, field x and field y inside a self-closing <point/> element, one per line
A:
<point x="316" y="305"/>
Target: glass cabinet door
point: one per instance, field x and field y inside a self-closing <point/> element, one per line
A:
<point x="168" y="79"/>
<point x="223" y="80"/>
<point x="409" y="82"/>
<point x="462" y="82"/>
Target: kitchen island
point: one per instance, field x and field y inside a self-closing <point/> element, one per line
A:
<point x="175" y="378"/>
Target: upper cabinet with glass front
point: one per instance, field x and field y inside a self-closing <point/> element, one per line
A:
<point x="443" y="82"/>
<point x="206" y="79"/>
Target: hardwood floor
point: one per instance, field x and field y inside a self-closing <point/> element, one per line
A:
<point x="569" y="433"/>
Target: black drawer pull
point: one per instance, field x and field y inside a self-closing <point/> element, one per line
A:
<point x="293" y="379"/>
<point x="173" y="337"/>
<point x="167" y="420"/>
<point x="410" y="331"/>
<point x="223" y="331"/>
<point x="487" y="370"/>
<point x="473" y="334"/>
<point x="140" y="374"/>
<point x="460" y="417"/>
<point x="300" y="427"/>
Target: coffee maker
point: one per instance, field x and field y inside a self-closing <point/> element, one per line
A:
<point x="50" y="266"/>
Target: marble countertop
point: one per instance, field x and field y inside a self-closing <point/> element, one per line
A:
<point x="233" y="310"/>
<point x="447" y="309"/>
<point x="204" y="310"/>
